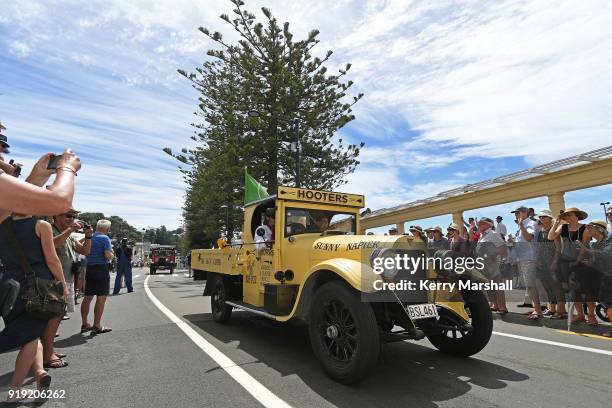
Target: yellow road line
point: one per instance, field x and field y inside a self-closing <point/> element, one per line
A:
<point x="593" y="336"/>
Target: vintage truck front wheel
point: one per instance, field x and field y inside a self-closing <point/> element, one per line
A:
<point x="462" y="343"/>
<point x="221" y="312"/>
<point x="343" y="332"/>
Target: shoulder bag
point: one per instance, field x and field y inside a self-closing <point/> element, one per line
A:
<point x="43" y="298"/>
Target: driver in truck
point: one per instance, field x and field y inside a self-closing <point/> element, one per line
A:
<point x="321" y="221"/>
<point x="264" y="234"/>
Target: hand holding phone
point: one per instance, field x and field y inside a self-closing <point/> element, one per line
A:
<point x="53" y="160"/>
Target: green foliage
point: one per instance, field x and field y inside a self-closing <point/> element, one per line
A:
<point x="163" y="236"/>
<point x="120" y="228"/>
<point x="266" y="71"/>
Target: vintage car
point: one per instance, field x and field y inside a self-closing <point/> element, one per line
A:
<point x="162" y="257"/>
<point x="318" y="268"/>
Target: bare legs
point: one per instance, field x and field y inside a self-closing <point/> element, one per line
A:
<point x="48" y="338"/>
<point x="98" y="310"/>
<point x="30" y="356"/>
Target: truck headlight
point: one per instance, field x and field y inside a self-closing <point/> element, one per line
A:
<point x="383" y="262"/>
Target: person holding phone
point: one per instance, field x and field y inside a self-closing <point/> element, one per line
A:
<point x="31" y="197"/>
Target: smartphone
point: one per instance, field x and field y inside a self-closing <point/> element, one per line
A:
<point x="53" y="161"/>
<point x="17" y="171"/>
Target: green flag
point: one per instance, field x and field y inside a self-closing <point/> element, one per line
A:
<point x="253" y="190"/>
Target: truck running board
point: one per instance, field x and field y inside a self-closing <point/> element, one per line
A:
<point x="252" y="309"/>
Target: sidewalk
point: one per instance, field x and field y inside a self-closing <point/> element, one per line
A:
<point x="516" y="316"/>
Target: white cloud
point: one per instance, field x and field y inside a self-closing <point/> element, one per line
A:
<point x="19" y="48"/>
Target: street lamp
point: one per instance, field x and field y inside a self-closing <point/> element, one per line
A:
<point x="142" y="247"/>
<point x="605" y="209"/>
<point x="296" y="146"/>
<point x="226" y="217"/>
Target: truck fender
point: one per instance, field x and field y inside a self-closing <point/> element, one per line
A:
<point x="347" y="270"/>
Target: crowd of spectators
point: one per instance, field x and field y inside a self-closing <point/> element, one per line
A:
<point x="558" y="259"/>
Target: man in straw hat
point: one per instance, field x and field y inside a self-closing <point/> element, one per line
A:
<point x="568" y="229"/>
<point x="599" y="257"/>
<point x="438" y="240"/>
<point x="525" y="250"/>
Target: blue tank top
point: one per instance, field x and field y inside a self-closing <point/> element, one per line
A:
<point x="25" y="231"/>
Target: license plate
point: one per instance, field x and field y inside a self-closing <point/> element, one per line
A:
<point x="425" y="311"/>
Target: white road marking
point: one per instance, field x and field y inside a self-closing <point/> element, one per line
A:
<point x="266" y="397"/>
<point x="555" y="343"/>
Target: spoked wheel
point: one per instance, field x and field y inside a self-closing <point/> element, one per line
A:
<point x="458" y="341"/>
<point x="602" y="312"/>
<point x="343" y="332"/>
<point x="221" y="312"/>
<point x="338" y="331"/>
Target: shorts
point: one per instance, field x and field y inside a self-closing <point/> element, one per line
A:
<point x="70" y="305"/>
<point x="97" y="280"/>
<point x="527" y="269"/>
<point x="508" y="271"/>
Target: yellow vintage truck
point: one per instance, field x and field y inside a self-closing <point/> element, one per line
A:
<point x="316" y="266"/>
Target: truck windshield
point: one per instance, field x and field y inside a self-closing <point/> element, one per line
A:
<point x="305" y="221"/>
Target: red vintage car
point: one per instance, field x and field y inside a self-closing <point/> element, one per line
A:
<point x="162" y="257"/>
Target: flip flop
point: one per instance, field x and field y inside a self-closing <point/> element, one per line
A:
<point x="592" y="321"/>
<point x="559" y="316"/>
<point x="100" y="330"/>
<point x="577" y="319"/>
<point x="502" y="312"/>
<point x="59" y="363"/>
<point x="534" y="316"/>
<point x="85" y="329"/>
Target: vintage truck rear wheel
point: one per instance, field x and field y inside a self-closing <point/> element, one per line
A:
<point x="221" y="312"/>
<point x="461" y="343"/>
<point x="343" y="332"/>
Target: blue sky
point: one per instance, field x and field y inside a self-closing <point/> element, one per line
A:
<point x="455" y="91"/>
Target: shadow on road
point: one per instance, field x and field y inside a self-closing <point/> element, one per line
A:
<point x="408" y="374"/>
<point x="517" y="318"/>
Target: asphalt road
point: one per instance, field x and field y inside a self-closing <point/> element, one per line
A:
<point x="150" y="361"/>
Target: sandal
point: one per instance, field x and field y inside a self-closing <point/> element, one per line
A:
<point x="86" y="328"/>
<point x="577" y="319"/>
<point x="60" y="355"/>
<point x="559" y="316"/>
<point x="592" y="321"/>
<point x="534" y="316"/>
<point x="100" y="330"/>
<point x="15" y="400"/>
<point x="43" y="382"/>
<point x="59" y="363"/>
